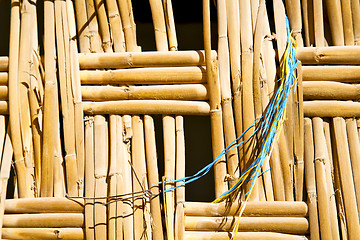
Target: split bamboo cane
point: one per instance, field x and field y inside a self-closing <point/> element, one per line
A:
<point x="347" y="22"/>
<point x="197" y="235"/>
<point x="329" y="55"/>
<point x="346" y="178"/>
<point x="43" y="233"/>
<point x="103" y="26"/>
<point x="153" y="176"/>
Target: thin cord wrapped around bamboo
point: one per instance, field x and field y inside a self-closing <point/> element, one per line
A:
<point x="346" y="178"/>
<point x="153" y="176"/>
<point x="93" y="31"/>
<point x="329" y="55"/>
<point x="310" y="179"/>
<point x="253" y="209"/>
<point x="355" y="10"/>
<point x="117" y="34"/>
<point x="335" y="22"/>
<point x="184" y="92"/>
<point x="197" y="235"/>
<point x="347" y="22"/>
<point x="147" y="107"/>
<point x="170" y="75"/>
<point x="100" y="171"/>
<point x="321" y="108"/>
<point x="103" y="26"/>
<point x="82" y="25"/>
<point x="332" y="73"/>
<point x="43" y="233"/>
<point x="321" y="154"/>
<point x="322" y="90"/>
<point x="143" y="59"/>
<point x="290" y="225"/>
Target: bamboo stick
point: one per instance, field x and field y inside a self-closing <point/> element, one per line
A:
<point x="335" y="21"/>
<point x="153" y="176"/>
<point x="130" y="38"/>
<point x="354" y="148"/>
<point x="355" y="10"/>
<point x="147" y="107"/>
<point x="43" y="220"/>
<point x="170" y="25"/>
<point x="43" y="205"/>
<point x="332" y="73"/>
<point x="103" y="26"/>
<point x="117" y="34"/>
<point x="196" y="235"/>
<point x="268" y="224"/>
<point x="253" y="209"/>
<point x="346" y="178"/>
<point x="100" y="170"/>
<point x="82" y="25"/>
<point x="321" y="154"/>
<point x="215" y="107"/>
<point x="329" y="55"/>
<point x="127" y="134"/>
<point x="318" y="23"/>
<point x="161" y="92"/>
<point x="331" y="108"/>
<point x="295" y="20"/>
<point x="305" y="12"/>
<point x="330" y="90"/>
<point x="347" y="22"/>
<point x="4" y="78"/>
<point x="180" y="173"/>
<point x="280" y="27"/>
<point x="89" y="179"/>
<point x="119" y="171"/>
<point x="112" y="178"/>
<point x="43" y="233"/>
<point x="4" y="63"/>
<point x="169" y="75"/>
<point x="143" y="59"/>
<point x="158" y="17"/>
<point x="93" y="34"/>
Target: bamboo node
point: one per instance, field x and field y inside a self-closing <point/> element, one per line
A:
<point x="320" y="159"/>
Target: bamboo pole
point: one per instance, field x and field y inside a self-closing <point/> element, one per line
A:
<point x="347" y="22"/>
<point x="43" y="233"/>
<point x="158" y="17"/>
<point x="130" y="38"/>
<point x="143" y="59"/>
<point x="354" y="149"/>
<point x="4" y="62"/>
<point x="346" y="178"/>
<point x="197" y="235"/>
<point x="311" y="22"/>
<point x="124" y="163"/>
<point x="288" y="225"/>
<point x="335" y="22"/>
<point x="58" y="168"/>
<point x="89" y="179"/>
<point x="4" y="78"/>
<point x="225" y="87"/>
<point x="103" y="26"/>
<point x="169" y="75"/>
<point x="295" y="20"/>
<point x="321" y="185"/>
<point x="253" y="209"/>
<point x="329" y="55"/>
<point x="280" y="27"/>
<point x="170" y="25"/>
<point x="117" y="34"/>
<point x="93" y="34"/>
<point x="148" y="107"/>
<point x="321" y="154"/>
<point x="318" y="23"/>
<point x="331" y="109"/>
<point x="119" y="173"/>
<point x="217" y="136"/>
<point x="112" y="178"/>
<point x="153" y="176"/>
<point x="161" y="92"/>
<point x="100" y="171"/>
<point x="332" y="73"/>
<point x="82" y="25"/>
<point x="305" y="14"/>
<point x="355" y="10"/>
<point x="330" y="90"/>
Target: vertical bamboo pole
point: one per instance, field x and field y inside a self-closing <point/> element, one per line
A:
<point x="153" y="176"/>
<point x="310" y="180"/>
<point x="321" y="186"/>
<point x="180" y="173"/>
<point x="128" y="216"/>
<point x="346" y="178"/>
<point x="89" y="179"/>
<point x="225" y="87"/>
<point x="170" y="25"/>
<point x="347" y="22"/>
<point x="112" y="179"/>
<point x="318" y="23"/>
<point x="119" y="171"/>
<point x="354" y="147"/>
<point x="100" y="170"/>
<point x="355" y="10"/>
<point x="103" y="26"/>
<point x="59" y="179"/>
<point x="305" y="12"/>
<point x="117" y="33"/>
<point x="321" y="154"/>
<point x="130" y="38"/>
<point x="214" y="97"/>
<point x="335" y="22"/>
<point x="93" y="34"/>
<point x="50" y="102"/>
<point x="295" y="20"/>
<point x="82" y="25"/>
<point x="169" y="169"/>
<point x="311" y="19"/>
<point x="158" y="17"/>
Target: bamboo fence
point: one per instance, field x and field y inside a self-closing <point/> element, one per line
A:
<point x="76" y="121"/>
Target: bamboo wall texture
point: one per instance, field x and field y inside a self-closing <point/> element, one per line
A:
<point x="77" y="109"/>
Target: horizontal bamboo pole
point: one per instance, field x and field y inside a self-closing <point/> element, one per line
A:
<point x="331" y="109"/>
<point x="4" y="63"/>
<point x="142" y="59"/>
<point x="43" y="233"/>
<point x="44" y="205"/>
<point x="3" y="93"/>
<point x="192" y="235"/>
<point x="322" y="90"/>
<point x="329" y="55"/>
<point x="44" y="220"/>
<point x="253" y="208"/>
<point x="252" y="224"/>
<point x="166" y="75"/>
<point x="331" y="73"/>
<point x="4" y="107"/>
<point x="162" y="92"/>
<point x="147" y="107"/>
<point x="4" y="78"/>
